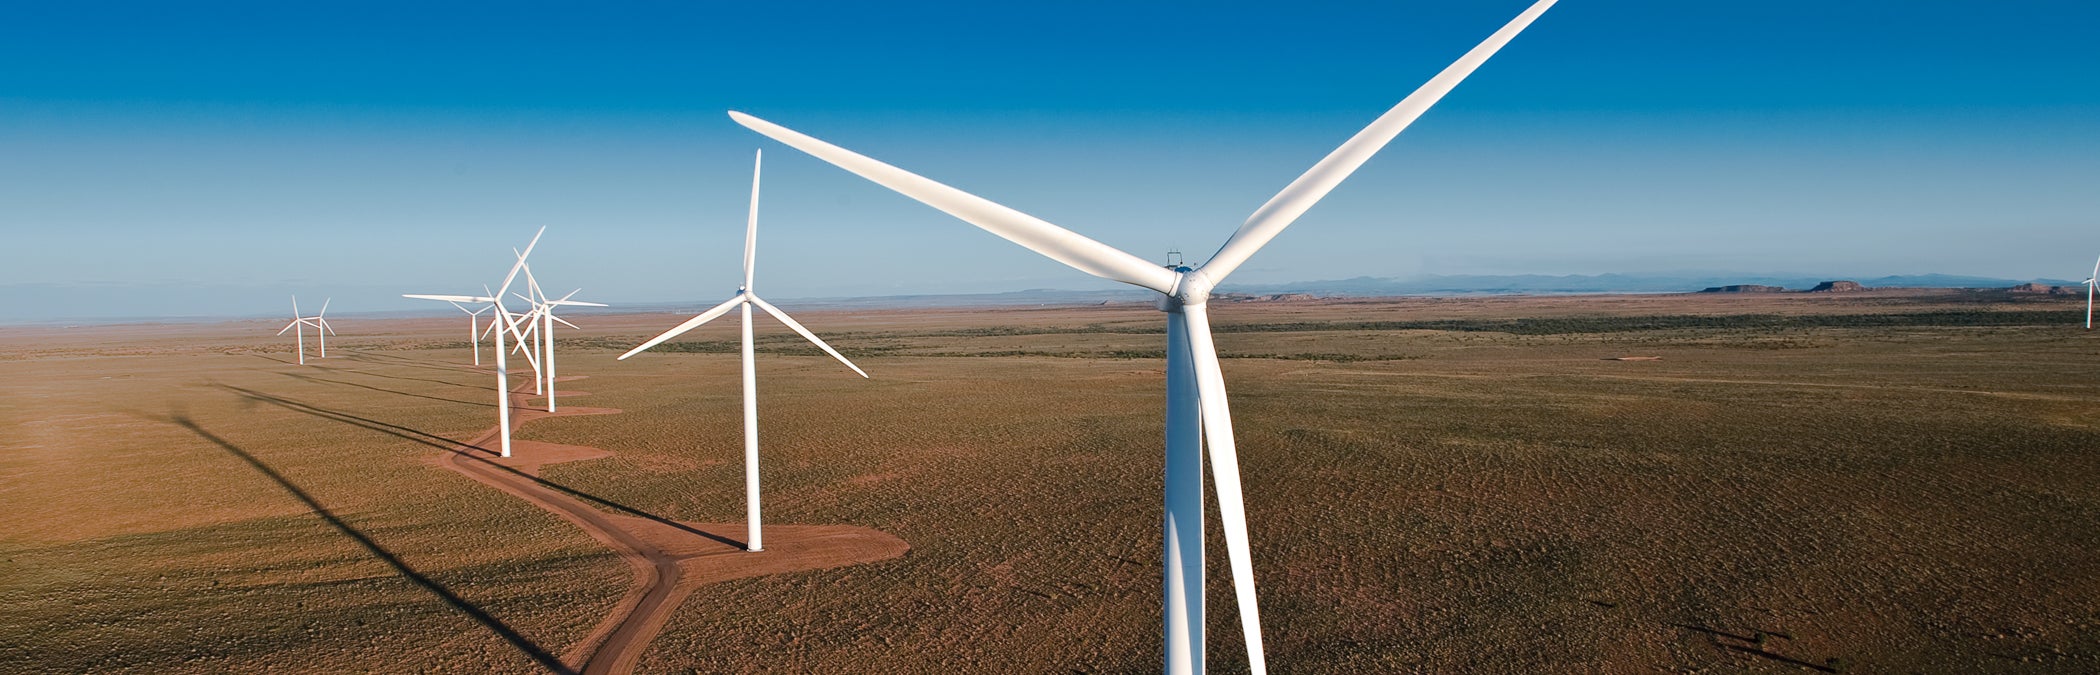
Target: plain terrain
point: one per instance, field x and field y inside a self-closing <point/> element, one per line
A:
<point x="1875" y="482"/>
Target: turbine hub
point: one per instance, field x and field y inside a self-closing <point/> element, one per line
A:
<point x="1191" y="289"/>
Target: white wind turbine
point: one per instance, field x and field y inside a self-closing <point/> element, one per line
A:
<point x="319" y="322"/>
<point x="745" y="299"/>
<point x="540" y="328"/>
<point x="503" y="367"/>
<point x="502" y="317"/>
<point x="474" y="332"/>
<point x="548" y="319"/>
<point x="2091" y="281"/>
<point x="1196" y="407"/>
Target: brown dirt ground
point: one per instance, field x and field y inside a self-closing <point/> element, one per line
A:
<point x="1914" y="496"/>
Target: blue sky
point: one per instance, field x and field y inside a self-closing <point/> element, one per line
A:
<point x="206" y="158"/>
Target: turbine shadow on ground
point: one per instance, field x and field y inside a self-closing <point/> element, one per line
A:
<point x="465" y="451"/>
<point x="404" y="378"/>
<point x="526" y="646"/>
<point x="376" y="358"/>
<point x="383" y="390"/>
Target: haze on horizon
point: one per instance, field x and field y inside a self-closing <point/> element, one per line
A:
<point x="217" y="156"/>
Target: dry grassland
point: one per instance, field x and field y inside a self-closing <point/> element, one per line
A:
<point x="1884" y="482"/>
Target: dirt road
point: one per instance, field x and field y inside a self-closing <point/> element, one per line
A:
<point x="669" y="559"/>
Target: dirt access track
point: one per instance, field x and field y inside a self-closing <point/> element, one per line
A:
<point x="670" y="559"/>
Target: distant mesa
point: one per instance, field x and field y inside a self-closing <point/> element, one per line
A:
<point x="2045" y="289"/>
<point x="1825" y="287"/>
<point x="1837" y="287"/>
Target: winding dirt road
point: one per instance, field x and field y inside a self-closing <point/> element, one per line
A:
<point x="669" y="558"/>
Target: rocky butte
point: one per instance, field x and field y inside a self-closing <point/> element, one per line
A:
<point x="1837" y="287"/>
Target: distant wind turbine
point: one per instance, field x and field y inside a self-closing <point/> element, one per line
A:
<point x="745" y="299"/>
<point x="474" y="332"/>
<point x="1197" y="413"/>
<point x="319" y="322"/>
<point x="2090" y="281"/>
<point x="539" y="328"/>
<point x="548" y="319"/>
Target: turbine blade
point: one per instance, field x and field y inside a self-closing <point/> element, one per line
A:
<point x="1062" y="245"/>
<point x="446" y="298"/>
<point x="566" y="302"/>
<point x="1308" y="189"/>
<point x="2096" y="269"/>
<point x="689" y="324"/>
<point x="532" y="356"/>
<point x="562" y="321"/>
<point x="1225" y="474"/>
<point x="326" y="326"/>
<point x="516" y="333"/>
<point x="812" y="337"/>
<point x="520" y="264"/>
<point x="324" y="308"/>
<point x="288" y="326"/>
<point x="295" y="307"/>
<point x="751" y="225"/>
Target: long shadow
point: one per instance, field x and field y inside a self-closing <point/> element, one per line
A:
<point x="405" y="378"/>
<point x="462" y="449"/>
<point x="323" y="380"/>
<point x="532" y="651"/>
<point x="398" y="360"/>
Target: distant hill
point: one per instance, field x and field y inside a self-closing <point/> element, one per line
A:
<point x="1608" y="283"/>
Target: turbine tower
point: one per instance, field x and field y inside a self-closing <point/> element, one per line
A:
<point x="319" y="322"/>
<point x="2090" y="282"/>
<point x="745" y="299"/>
<point x="1196" y="409"/>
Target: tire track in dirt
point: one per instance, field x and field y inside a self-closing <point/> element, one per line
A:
<point x="669" y="559"/>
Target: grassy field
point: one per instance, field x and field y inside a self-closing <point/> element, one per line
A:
<point x="1884" y="482"/>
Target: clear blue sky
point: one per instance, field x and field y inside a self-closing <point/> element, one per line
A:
<point x="214" y="156"/>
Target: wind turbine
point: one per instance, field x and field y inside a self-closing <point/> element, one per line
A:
<point x="473" y="316"/>
<point x="2091" y="281"/>
<point x="539" y="329"/>
<point x="1196" y="409"/>
<point x="502" y="366"/>
<point x="548" y="319"/>
<point x="745" y="299"/>
<point x="319" y="322"/>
